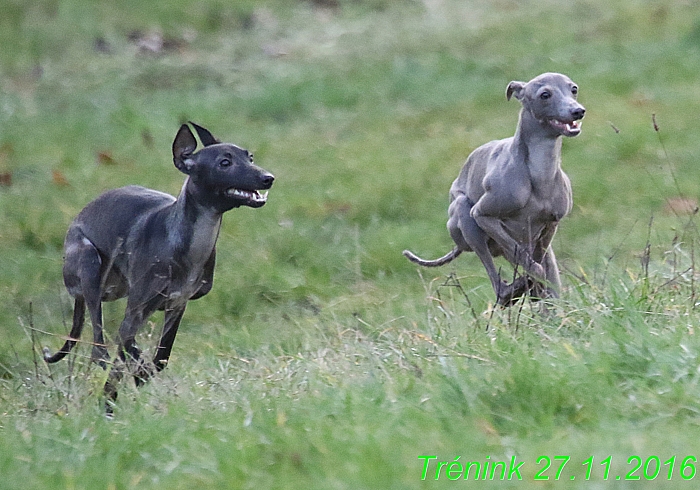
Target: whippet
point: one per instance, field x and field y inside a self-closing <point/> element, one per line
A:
<point x="511" y="193"/>
<point x="156" y="249"/>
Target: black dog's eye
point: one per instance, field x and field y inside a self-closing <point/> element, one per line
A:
<point x="545" y="95"/>
<point x="250" y="156"/>
<point x="225" y="162"/>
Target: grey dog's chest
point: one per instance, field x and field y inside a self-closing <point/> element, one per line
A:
<point x="547" y="205"/>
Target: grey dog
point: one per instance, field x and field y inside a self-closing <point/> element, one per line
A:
<point x="156" y="249"/>
<point x="511" y="193"/>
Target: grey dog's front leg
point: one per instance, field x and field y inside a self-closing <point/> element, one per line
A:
<point x="552" y="286"/>
<point x="515" y="253"/>
<point x="469" y="236"/>
<point x="544" y="254"/>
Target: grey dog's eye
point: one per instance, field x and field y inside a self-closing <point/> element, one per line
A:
<point x="574" y="90"/>
<point x="545" y="95"/>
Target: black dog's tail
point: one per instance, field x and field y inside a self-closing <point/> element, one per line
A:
<point x="76" y="330"/>
<point x="445" y="259"/>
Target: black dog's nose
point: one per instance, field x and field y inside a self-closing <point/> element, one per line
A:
<point x="578" y="113"/>
<point x="267" y="180"/>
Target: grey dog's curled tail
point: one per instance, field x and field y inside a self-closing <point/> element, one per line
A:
<point x="445" y="259"/>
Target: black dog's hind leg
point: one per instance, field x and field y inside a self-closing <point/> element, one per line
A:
<point x="82" y="277"/>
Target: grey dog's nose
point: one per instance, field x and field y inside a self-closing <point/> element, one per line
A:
<point x="578" y="113"/>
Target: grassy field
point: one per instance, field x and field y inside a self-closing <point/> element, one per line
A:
<point x="322" y="358"/>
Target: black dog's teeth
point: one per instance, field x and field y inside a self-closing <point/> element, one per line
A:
<point x="250" y="195"/>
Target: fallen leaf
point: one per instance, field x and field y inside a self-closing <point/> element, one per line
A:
<point x="5" y="179"/>
<point x="105" y="158"/>
<point x="58" y="178"/>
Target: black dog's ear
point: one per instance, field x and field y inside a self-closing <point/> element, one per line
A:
<point x="183" y="148"/>
<point x="204" y="135"/>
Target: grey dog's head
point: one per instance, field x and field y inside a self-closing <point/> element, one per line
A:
<point x="551" y="99"/>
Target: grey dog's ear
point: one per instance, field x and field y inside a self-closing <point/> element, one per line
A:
<point x="515" y="89"/>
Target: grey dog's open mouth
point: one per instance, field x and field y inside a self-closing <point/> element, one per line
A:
<point x="253" y="197"/>
<point x="567" y="128"/>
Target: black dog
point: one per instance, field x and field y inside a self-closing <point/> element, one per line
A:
<point x="157" y="250"/>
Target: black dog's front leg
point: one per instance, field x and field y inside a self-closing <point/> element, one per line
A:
<point x="128" y="358"/>
<point x="128" y="353"/>
<point x="165" y="345"/>
<point x="113" y="379"/>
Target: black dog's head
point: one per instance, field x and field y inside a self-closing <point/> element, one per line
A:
<point x="223" y="175"/>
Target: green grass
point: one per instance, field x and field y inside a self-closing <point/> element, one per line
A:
<point x="322" y="358"/>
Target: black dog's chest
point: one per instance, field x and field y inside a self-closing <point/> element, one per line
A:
<point x="182" y="279"/>
<point x="184" y="286"/>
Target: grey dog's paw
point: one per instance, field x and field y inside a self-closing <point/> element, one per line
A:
<point x="508" y="294"/>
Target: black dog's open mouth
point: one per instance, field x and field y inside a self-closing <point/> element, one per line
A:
<point x="572" y="128"/>
<point x="249" y="198"/>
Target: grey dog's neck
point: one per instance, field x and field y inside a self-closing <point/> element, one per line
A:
<point x="541" y="152"/>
